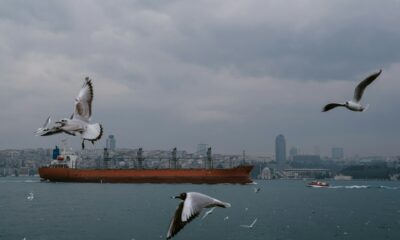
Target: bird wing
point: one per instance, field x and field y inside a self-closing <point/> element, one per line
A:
<point x="47" y="122"/>
<point x="83" y="102"/>
<point x="331" y="106"/>
<point x="44" y="129"/>
<point x="254" y="222"/>
<point x="93" y="132"/>
<point x="208" y="213"/>
<point x="358" y="92"/>
<point x="176" y="222"/>
<point x="205" y="215"/>
<point x="52" y="131"/>
<point x="193" y="204"/>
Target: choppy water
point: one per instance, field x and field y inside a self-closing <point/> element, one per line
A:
<point x="285" y="210"/>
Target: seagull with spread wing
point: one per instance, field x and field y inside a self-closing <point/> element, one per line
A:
<point x="251" y="225"/>
<point x="79" y="122"/>
<point x="191" y="206"/>
<point x="354" y="105"/>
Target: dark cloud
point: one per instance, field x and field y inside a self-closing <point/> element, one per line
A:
<point x="177" y="73"/>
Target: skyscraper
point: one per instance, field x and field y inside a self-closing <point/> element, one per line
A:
<point x="111" y="142"/>
<point x="280" y="151"/>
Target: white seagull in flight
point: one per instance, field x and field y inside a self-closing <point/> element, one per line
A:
<point x="30" y="196"/>
<point x="251" y="225"/>
<point x="354" y="105"/>
<point x="79" y="122"/>
<point x="191" y="206"/>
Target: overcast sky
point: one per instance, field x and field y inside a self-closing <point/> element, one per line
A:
<point x="232" y="74"/>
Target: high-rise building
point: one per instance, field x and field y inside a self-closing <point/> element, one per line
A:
<point x="337" y="153"/>
<point x="280" y="151"/>
<point x="111" y="142"/>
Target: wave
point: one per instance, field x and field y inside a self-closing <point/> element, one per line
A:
<point x="365" y="187"/>
<point x="19" y="181"/>
<point x="351" y="187"/>
<point x="387" y="187"/>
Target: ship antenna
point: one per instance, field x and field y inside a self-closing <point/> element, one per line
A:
<point x="64" y="144"/>
<point x="209" y="158"/>
<point x="174" y="159"/>
<point x="140" y="158"/>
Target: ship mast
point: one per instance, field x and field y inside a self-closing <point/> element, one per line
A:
<point x="209" y="158"/>
<point x="174" y="159"/>
<point x="140" y="158"/>
<point x="106" y="158"/>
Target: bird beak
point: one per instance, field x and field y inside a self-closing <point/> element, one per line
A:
<point x="173" y="197"/>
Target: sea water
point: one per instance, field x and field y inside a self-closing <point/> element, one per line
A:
<point x="284" y="209"/>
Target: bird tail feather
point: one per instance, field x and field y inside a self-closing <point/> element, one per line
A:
<point x="366" y="108"/>
<point x="224" y="205"/>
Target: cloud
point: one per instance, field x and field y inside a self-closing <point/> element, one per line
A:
<point x="176" y="73"/>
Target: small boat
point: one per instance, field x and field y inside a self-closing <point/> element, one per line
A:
<point x="318" y="184"/>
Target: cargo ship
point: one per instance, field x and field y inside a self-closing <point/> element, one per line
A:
<point x="63" y="168"/>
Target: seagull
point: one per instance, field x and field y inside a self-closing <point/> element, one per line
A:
<point x="251" y="225"/>
<point x="256" y="190"/>
<point x="208" y="212"/>
<point x="79" y="122"/>
<point x="354" y="105"/>
<point x="45" y="126"/>
<point x="191" y="206"/>
<point x="30" y="196"/>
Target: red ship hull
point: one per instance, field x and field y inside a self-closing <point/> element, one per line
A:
<point x="238" y="175"/>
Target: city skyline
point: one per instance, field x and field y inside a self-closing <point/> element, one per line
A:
<point x="178" y="73"/>
<point x="201" y="148"/>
